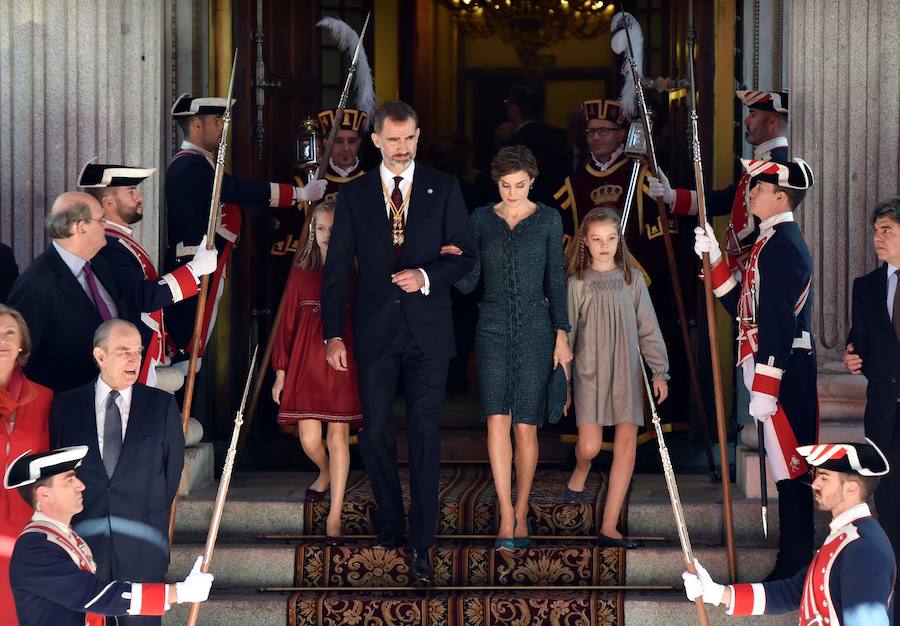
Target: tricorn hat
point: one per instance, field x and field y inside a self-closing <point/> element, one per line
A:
<point x="107" y="175"/>
<point x="29" y="468"/>
<point x="353" y="119"/>
<point x="186" y="106"/>
<point x="864" y="459"/>
<point x="795" y="174"/>
<point x="609" y="110"/>
<point x="772" y="101"/>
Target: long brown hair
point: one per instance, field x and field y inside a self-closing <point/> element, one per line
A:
<point x="311" y="255"/>
<point x="579" y="256"/>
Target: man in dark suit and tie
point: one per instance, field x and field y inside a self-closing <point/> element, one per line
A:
<point x="393" y="221"/>
<point x="134" y="462"/>
<point x="873" y="349"/>
<point x="66" y="293"/>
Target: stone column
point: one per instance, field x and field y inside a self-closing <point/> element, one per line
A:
<point x="844" y="66"/>
<point x="78" y="79"/>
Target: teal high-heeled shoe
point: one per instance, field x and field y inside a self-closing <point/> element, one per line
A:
<point x="524" y="542"/>
<point x="506" y="543"/>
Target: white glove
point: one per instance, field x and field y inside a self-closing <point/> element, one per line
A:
<point x="705" y="241"/>
<point x="204" y="261"/>
<point x="311" y="191"/>
<point x="702" y="585"/>
<point x="660" y="188"/>
<point x="195" y="587"/>
<point x="762" y="406"/>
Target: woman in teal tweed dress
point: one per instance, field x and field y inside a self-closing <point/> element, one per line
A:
<point x="522" y="326"/>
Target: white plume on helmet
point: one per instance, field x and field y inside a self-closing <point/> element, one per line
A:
<point x="628" y="97"/>
<point x="363" y="87"/>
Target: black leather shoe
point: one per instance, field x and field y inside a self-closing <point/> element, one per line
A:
<point x="390" y="539"/>
<point x="611" y="542"/>
<point x="574" y="497"/>
<point x="420" y="565"/>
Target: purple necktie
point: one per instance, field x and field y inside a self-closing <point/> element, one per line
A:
<point x="95" y="292"/>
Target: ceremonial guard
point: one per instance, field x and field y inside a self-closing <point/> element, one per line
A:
<point x="189" y="185"/>
<point x="52" y="571"/>
<point x="765" y="128"/>
<point x="850" y="579"/>
<point x="343" y="166"/>
<point x="135" y="275"/>
<point x="773" y="305"/>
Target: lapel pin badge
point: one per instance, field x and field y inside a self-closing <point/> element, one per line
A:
<point x="430" y="190"/>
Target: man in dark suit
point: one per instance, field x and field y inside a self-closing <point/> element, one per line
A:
<point x="9" y="271"/>
<point x="873" y="349"/>
<point x="66" y="293"/>
<point x="393" y="221"/>
<point x="134" y="461"/>
<point x="548" y="144"/>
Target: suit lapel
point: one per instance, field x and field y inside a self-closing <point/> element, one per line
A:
<point x="419" y="204"/>
<point x="67" y="282"/>
<point x="87" y="407"/>
<point x="135" y="423"/>
<point x="879" y="287"/>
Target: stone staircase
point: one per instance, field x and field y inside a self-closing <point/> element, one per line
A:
<point x="255" y="549"/>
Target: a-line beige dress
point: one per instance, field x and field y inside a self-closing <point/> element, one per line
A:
<point x="610" y="321"/>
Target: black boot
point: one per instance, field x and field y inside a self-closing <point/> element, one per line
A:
<point x="796" y="526"/>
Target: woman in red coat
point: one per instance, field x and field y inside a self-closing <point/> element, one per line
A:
<point x="308" y="391"/>
<point x="24" y="427"/>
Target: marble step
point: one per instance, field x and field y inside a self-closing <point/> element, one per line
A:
<point x="266" y="565"/>
<point x="245" y="606"/>
<point x="272" y="503"/>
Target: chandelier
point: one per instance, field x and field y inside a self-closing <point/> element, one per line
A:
<point x="529" y="25"/>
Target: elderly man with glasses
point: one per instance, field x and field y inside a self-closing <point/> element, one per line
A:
<point x="66" y="293"/>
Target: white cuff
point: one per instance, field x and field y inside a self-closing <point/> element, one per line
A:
<point x="425" y="290"/>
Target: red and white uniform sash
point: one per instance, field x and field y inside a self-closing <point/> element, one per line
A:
<point x="76" y="548"/>
<point x="155" y="354"/>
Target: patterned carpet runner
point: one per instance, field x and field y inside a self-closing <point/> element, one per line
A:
<point x="546" y="576"/>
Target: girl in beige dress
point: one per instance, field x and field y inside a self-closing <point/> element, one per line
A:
<point x="613" y="323"/>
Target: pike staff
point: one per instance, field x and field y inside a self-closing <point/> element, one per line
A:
<point x="196" y="339"/>
<point x="339" y="30"/>
<point x="224" y="484"/>
<point x="672" y="487"/>
<point x="711" y="311"/>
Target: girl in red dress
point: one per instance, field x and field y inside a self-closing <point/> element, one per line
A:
<point x="24" y="426"/>
<point x="307" y="390"/>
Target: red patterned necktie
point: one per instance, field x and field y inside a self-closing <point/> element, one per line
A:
<point x="397" y="201"/>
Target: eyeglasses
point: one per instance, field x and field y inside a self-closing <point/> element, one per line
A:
<point x="600" y="132"/>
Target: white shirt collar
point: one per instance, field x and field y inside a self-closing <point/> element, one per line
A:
<point x="612" y="159"/>
<point x="890" y="272"/>
<point x="387" y="176"/>
<point x="778" y="218"/>
<point x="763" y="152"/>
<point x="63" y="528"/>
<point x="187" y="145"/>
<point x="102" y="390"/>
<point x="343" y="171"/>
<point x="850" y="515"/>
<point x="118" y="227"/>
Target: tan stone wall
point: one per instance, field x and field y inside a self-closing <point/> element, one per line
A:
<point x="844" y="69"/>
